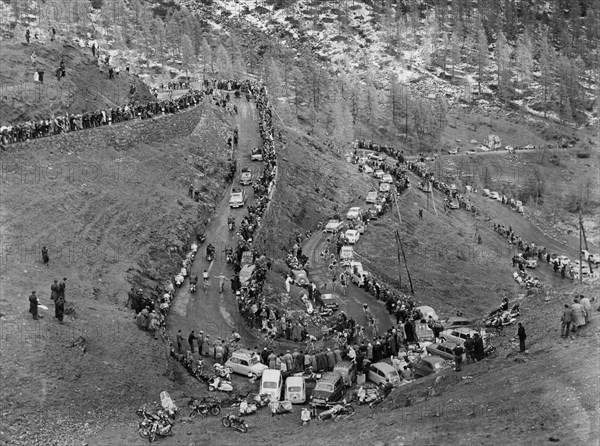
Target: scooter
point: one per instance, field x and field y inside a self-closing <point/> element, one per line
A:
<point x="216" y="383"/>
<point x="237" y="423"/>
<point x="223" y="372"/>
<point x="192" y="288"/>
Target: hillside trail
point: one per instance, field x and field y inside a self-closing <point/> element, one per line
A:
<point x="210" y="311"/>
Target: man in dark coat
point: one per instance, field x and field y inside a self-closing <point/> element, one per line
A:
<point x="61" y="287"/>
<point x="45" y="257"/>
<point x="522" y="336"/>
<point x="59" y="308"/>
<point x="478" y="347"/>
<point x="54" y="291"/>
<point x="191" y="338"/>
<point x="33" y="305"/>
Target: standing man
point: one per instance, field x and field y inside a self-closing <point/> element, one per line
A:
<point x="191" y="191"/>
<point x="54" y="291"/>
<point x="587" y="306"/>
<point x="566" y="319"/>
<point x="61" y="287"/>
<point x="522" y="336"/>
<point x="179" y="341"/>
<point x="469" y="346"/>
<point x="59" y="308"/>
<point x="200" y="339"/>
<point x="191" y="338"/>
<point x="45" y="257"/>
<point x="27" y="36"/>
<point x="33" y="301"/>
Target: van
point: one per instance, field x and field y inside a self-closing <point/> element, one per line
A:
<point x="347" y="253"/>
<point x="329" y="389"/>
<point x="382" y="372"/>
<point x="271" y="384"/>
<point x="295" y="389"/>
<point x="348" y="371"/>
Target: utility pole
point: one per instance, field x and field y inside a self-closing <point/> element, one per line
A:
<point x="412" y="290"/>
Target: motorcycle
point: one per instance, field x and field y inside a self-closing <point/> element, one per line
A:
<point x="216" y="383"/>
<point x="231" y="224"/>
<point x="223" y="372"/>
<point x="179" y="280"/>
<point x="210" y="253"/>
<point x="198" y="408"/>
<point x="231" y="421"/>
<point x="192" y="288"/>
<point x="155" y="425"/>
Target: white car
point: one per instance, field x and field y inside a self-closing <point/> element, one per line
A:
<point x="256" y="154"/>
<point x="494" y="195"/>
<point x="531" y="263"/>
<point x="237" y="198"/>
<point x="387" y="178"/>
<point x="334" y="226"/>
<point x="372" y="197"/>
<point x="458" y="335"/>
<point x="246" y="177"/>
<point x="563" y="260"/>
<point x="384" y="187"/>
<point x="486" y="192"/>
<point x="354" y="212"/>
<point x="376" y="157"/>
<point x="347" y="253"/>
<point x="367" y="169"/>
<point x="352" y="236"/>
<point x="427" y="311"/>
<point x="594" y="258"/>
<point x="379" y="174"/>
<point x="452" y="151"/>
<point x="243" y="363"/>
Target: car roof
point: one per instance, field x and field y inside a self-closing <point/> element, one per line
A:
<point x="330" y="376"/>
<point x="270" y="373"/>
<point x="432" y="359"/>
<point x="242" y="352"/>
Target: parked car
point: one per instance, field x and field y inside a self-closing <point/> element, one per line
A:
<point x="334" y="226"/>
<point x="348" y="371"/>
<point x="246" y="177"/>
<point x="494" y="195"/>
<point x="384" y="187"/>
<point x="256" y="154"/>
<point x="376" y="157"/>
<point x="427" y="311"/>
<point x="328" y="389"/>
<point x="563" y="260"/>
<point x="443" y="350"/>
<point x="531" y="263"/>
<point x="382" y="372"/>
<point x="454" y="205"/>
<point x="486" y="192"/>
<point x="459" y="334"/>
<point x="372" y="213"/>
<point x="372" y="197"/>
<point x="379" y="174"/>
<point x="352" y="236"/>
<point x="295" y="389"/>
<point x="424" y="366"/>
<point x="271" y="384"/>
<point x="300" y="277"/>
<point x="367" y="169"/>
<point x="387" y="178"/>
<point x="347" y="253"/>
<point x="241" y="362"/>
<point x="237" y="198"/>
<point x="360" y="227"/>
<point x="455" y="321"/>
<point x="354" y="213"/>
<point x="452" y="151"/>
<point x="594" y="258"/>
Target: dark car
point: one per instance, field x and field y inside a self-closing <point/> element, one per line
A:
<point x="428" y="365"/>
<point x="329" y="389"/>
<point x="443" y="350"/>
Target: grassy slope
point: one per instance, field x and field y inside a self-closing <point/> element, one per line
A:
<point x="85" y="87"/>
<point x="136" y="207"/>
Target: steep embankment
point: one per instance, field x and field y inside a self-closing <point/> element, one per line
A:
<point x="111" y="205"/>
<point x="85" y="87"/>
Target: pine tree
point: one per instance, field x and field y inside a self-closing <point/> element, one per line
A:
<point x="207" y="58"/>
<point x="445" y="50"/>
<point x="503" y="52"/>
<point x="481" y="55"/>
<point x="455" y="52"/>
<point x="187" y="51"/>
<point x="159" y="39"/>
<point x="524" y="59"/>
<point x="223" y="62"/>
<point x="237" y="60"/>
<point x="297" y="82"/>
<point x="371" y="104"/>
<point x="546" y="59"/>
<point x="343" y="128"/>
